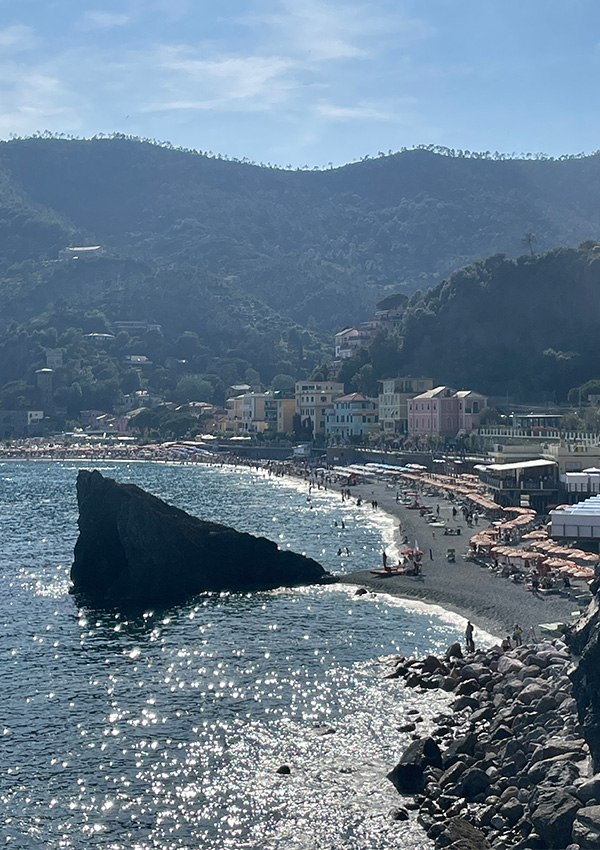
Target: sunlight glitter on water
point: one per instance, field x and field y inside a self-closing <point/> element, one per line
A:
<point x="166" y="729"/>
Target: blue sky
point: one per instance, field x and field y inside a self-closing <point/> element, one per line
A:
<point x="308" y="82"/>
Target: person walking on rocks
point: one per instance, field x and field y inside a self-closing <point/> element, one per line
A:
<point x="470" y="643"/>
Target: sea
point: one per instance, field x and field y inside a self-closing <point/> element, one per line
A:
<point x="166" y="728"/>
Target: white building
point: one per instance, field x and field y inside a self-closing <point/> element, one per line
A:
<point x="580" y="521"/>
<point x="352" y="415"/>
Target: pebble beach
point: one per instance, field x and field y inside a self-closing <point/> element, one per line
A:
<point x="491" y="602"/>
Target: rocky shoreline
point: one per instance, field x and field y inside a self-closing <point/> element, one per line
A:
<point x="508" y="765"/>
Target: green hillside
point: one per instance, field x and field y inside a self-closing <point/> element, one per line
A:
<point x="528" y="327"/>
<point x="322" y="246"/>
<point x="255" y="267"/>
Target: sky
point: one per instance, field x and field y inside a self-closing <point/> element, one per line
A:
<point x="306" y="82"/>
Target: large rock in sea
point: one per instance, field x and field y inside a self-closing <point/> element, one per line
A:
<point x="135" y="548"/>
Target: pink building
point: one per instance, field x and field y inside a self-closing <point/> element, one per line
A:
<point x="444" y="412"/>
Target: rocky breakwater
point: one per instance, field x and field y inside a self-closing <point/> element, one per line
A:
<point x="508" y="766"/>
<point x="135" y="548"/>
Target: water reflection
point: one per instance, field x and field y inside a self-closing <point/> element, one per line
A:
<point x="165" y="728"/>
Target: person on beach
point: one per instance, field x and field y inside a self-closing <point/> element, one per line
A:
<point x="506" y="644"/>
<point x="517" y="635"/>
<point x="470" y="643"/>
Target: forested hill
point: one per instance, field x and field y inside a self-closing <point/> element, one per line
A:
<point x="319" y="247"/>
<point x="527" y="327"/>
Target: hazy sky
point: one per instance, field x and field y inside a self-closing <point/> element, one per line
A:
<point x="306" y="81"/>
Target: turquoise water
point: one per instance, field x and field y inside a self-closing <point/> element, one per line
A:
<point x="166" y="730"/>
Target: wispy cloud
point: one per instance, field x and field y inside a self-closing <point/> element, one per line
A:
<point x="34" y="100"/>
<point x="233" y="82"/>
<point x="287" y="71"/>
<point x="323" y="31"/>
<point x="17" y="38"/>
<point x="365" y="111"/>
<point x="95" y="20"/>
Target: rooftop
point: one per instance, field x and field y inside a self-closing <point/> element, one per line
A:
<point x="526" y="464"/>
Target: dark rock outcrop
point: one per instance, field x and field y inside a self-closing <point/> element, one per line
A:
<point x="515" y="772"/>
<point x="135" y="548"/>
<point x="554" y="815"/>
<point x="408" y="775"/>
<point x="586" y="827"/>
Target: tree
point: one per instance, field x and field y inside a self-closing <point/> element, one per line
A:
<point x="283" y="382"/>
<point x="130" y="382"/>
<point x="364" y="381"/>
<point x="193" y="388"/>
<point x="528" y="241"/>
<point x="187" y="345"/>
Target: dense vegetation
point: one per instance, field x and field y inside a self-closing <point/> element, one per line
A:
<point x="250" y="269"/>
<point x="527" y="327"/>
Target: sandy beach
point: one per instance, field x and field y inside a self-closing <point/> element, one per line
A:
<point x="490" y="601"/>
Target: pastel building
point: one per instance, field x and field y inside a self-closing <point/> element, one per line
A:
<point x="253" y="413"/>
<point x="445" y="412"/>
<point x="352" y="415"/>
<point x="246" y="413"/>
<point x="393" y="401"/>
<point x="313" y="400"/>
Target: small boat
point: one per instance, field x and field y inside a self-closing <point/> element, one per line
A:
<point x="398" y="571"/>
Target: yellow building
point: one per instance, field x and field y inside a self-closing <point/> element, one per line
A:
<point x="313" y="399"/>
<point x="253" y="413"/>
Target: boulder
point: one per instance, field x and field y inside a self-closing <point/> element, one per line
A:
<point x="472" y="783"/>
<point x="474" y="671"/>
<point x="453" y="651"/>
<point x="556" y="747"/>
<point x="407" y="776"/>
<point x="464" y="702"/>
<point x="451" y="774"/>
<point x="590" y="789"/>
<point x="464" y="745"/>
<point x="558" y="770"/>
<point x="399" y="814"/>
<point x="458" y="832"/>
<point x="506" y="665"/>
<point x="482" y="714"/>
<point x="531" y="693"/>
<point x="135" y="548"/>
<point x="553" y="816"/>
<point x="431" y="664"/>
<point x="586" y="827"/>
